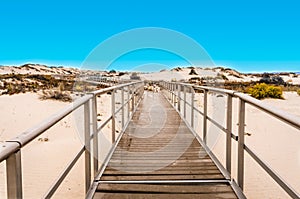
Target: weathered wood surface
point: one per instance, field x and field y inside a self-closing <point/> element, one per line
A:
<point x="157" y="145"/>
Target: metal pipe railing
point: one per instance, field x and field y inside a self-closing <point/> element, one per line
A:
<point x="281" y="115"/>
<point x="27" y="136"/>
<point x="243" y="100"/>
<point x="11" y="149"/>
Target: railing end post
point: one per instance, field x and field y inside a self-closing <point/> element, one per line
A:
<point x="14" y="175"/>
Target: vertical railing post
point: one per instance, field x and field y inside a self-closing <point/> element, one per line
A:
<point x="178" y="97"/>
<point x="228" y="135"/>
<point x="137" y="95"/>
<point x="14" y="175"/>
<point x="122" y="108"/>
<point x="113" y="119"/>
<point x="132" y="98"/>
<point x="128" y="102"/>
<point x="142" y="92"/>
<point x="184" y="104"/>
<point x="241" y="131"/>
<point x="192" y="106"/>
<point x="205" y="117"/>
<point x="169" y="90"/>
<point x="171" y="93"/>
<point x="95" y="134"/>
<point x="87" y="137"/>
<point x="166" y="88"/>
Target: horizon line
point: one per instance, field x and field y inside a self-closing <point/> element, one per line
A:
<point x="66" y="65"/>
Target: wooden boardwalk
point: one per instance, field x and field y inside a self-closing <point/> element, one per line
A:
<point x="159" y="157"/>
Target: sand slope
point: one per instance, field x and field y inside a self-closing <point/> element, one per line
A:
<point x="42" y="161"/>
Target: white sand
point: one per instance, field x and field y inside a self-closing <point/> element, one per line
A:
<point x="42" y="161"/>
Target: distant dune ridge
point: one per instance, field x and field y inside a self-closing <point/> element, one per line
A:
<point x="37" y="69"/>
<point x="177" y="73"/>
<point x="34" y="77"/>
<point x="218" y="74"/>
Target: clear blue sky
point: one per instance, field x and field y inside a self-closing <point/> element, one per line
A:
<point x="245" y="35"/>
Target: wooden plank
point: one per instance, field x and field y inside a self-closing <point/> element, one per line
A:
<point x="129" y="171"/>
<point x="182" y="164"/>
<point x="147" y="195"/>
<point x="164" y="177"/>
<point x="164" y="191"/>
<point x="166" y="188"/>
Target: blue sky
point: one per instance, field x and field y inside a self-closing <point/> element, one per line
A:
<point x="245" y="35"/>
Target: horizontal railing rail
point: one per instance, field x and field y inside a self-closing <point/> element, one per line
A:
<point x="11" y="149"/>
<point x="175" y="90"/>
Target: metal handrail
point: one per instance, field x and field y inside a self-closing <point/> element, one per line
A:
<point x="24" y="138"/>
<point x="105" y="90"/>
<point x="289" y="119"/>
<point x="282" y="115"/>
<point x="27" y="136"/>
<point x="11" y="149"/>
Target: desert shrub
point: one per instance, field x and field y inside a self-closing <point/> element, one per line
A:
<point x="298" y="91"/>
<point x="61" y="86"/>
<point x="262" y="90"/>
<point x="12" y="89"/>
<point x="78" y="87"/>
<point x="223" y="77"/>
<point x="193" y="72"/>
<point x="269" y="79"/>
<point x="274" y="92"/>
<point x="56" y="95"/>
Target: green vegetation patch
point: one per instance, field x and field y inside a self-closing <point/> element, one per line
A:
<point x="262" y="90"/>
